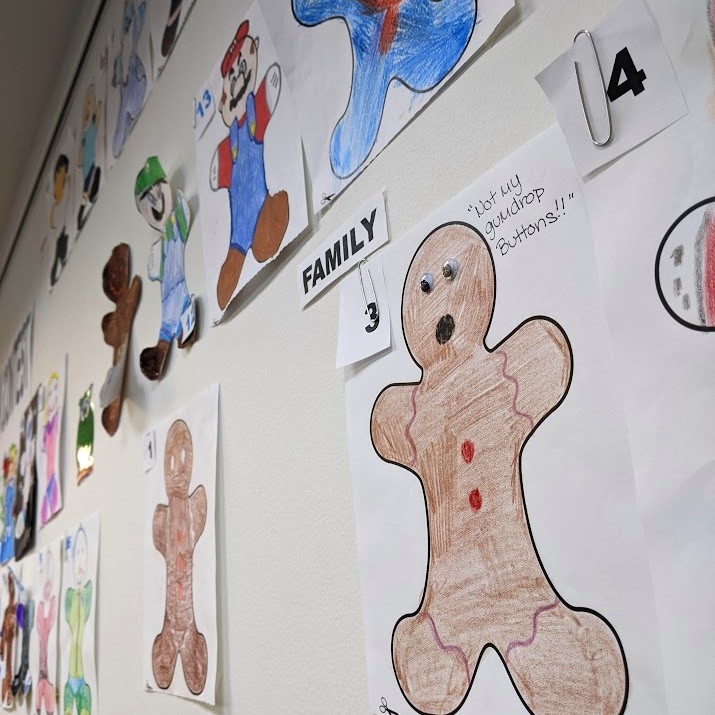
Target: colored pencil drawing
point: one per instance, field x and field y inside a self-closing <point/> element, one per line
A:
<point x="50" y="406"/>
<point x="172" y="27"/>
<point x="26" y="499"/>
<point x="258" y="219"/>
<point x="176" y="528"/>
<point x="172" y="219"/>
<point x="416" y="43"/>
<point x="25" y="616"/>
<point x="129" y="74"/>
<point x="685" y="267"/>
<point x="180" y="636"/>
<point x="43" y="652"/>
<point x="59" y="216"/>
<point x="117" y="329"/>
<point x="7" y="640"/>
<point x="9" y="483"/>
<point x="78" y="677"/>
<point x="90" y="152"/>
<point x="85" y="437"/>
<point x="461" y="431"/>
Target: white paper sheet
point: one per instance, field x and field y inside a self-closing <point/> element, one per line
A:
<point x="78" y="608"/>
<point x="653" y="101"/>
<point x="252" y="157"/>
<point x="167" y="18"/>
<point x="129" y="72"/>
<point x="347" y="118"/>
<point x="364" y="319"/>
<point x="89" y="117"/>
<point x="666" y="368"/>
<point x="180" y="554"/>
<point x="362" y="234"/>
<point x="59" y="201"/>
<point x="51" y="396"/>
<point x="45" y="584"/>
<point x="577" y="477"/>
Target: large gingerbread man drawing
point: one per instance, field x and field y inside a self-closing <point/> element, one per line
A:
<point x="176" y="529"/>
<point x="461" y="430"/>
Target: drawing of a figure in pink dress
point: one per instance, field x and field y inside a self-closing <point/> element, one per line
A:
<point x="50" y="440"/>
<point x="46" y="615"/>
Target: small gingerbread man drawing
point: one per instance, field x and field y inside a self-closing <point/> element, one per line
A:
<point x="461" y="430"/>
<point x="176" y="529"/>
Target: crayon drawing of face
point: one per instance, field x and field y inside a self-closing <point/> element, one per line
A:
<point x="685" y="267"/>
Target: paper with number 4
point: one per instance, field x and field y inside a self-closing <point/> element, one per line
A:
<point x="643" y="91"/>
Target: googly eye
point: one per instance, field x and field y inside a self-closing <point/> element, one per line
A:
<point x="426" y="282"/>
<point x="449" y="269"/>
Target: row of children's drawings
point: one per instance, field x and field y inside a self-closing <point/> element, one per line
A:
<point x="115" y="84"/>
<point x="30" y="606"/>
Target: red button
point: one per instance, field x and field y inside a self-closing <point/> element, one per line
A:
<point x="475" y="500"/>
<point x="468" y="451"/>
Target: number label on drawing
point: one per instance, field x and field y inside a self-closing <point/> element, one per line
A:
<point x="204" y="109"/>
<point x="633" y="78"/>
<point x="149" y="450"/>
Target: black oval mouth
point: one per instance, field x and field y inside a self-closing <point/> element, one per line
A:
<point x="445" y="329"/>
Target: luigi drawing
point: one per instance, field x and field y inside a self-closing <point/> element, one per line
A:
<point x="154" y="199"/>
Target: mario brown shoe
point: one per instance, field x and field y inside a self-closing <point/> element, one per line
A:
<point x="271" y="226"/>
<point x="229" y="275"/>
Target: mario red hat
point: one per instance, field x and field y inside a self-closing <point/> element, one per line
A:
<point x="234" y="48"/>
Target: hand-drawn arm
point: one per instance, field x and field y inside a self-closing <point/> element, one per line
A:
<point x="86" y="596"/>
<point x="266" y="100"/>
<point x="184" y="221"/>
<point x="197" y="511"/>
<point x="221" y="164"/>
<point x="392" y="416"/>
<point x="51" y="613"/>
<point x="158" y="528"/>
<point x="68" y="605"/>
<point x="537" y="359"/>
<point x="313" y="12"/>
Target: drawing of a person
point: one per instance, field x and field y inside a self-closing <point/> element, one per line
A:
<point x="7" y="543"/>
<point x="91" y="173"/>
<point x="46" y="611"/>
<point x="58" y="216"/>
<point x="155" y="202"/>
<point x="78" y="602"/>
<point x="50" y="439"/>
<point x="258" y="219"/>
<point x="129" y="74"/>
<point x="7" y="637"/>
<point x="26" y="467"/>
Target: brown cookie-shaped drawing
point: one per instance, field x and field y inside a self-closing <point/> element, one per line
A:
<point x="461" y="430"/>
<point x="7" y="639"/>
<point x="116" y="328"/>
<point x="176" y="528"/>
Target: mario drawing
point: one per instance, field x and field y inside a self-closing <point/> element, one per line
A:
<point x="154" y="200"/>
<point x="258" y="220"/>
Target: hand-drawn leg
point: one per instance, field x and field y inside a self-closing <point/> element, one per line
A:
<point x="270" y="227"/>
<point x="194" y="659"/>
<point x="163" y="656"/>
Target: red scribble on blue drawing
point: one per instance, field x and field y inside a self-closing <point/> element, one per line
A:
<point x="413" y="42"/>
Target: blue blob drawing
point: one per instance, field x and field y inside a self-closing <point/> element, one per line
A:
<point x="132" y="85"/>
<point x="414" y="42"/>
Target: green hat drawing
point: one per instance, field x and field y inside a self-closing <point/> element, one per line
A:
<point x="150" y="173"/>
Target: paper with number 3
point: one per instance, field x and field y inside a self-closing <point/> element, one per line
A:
<point x="643" y="92"/>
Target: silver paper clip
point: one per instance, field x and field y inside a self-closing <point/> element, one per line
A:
<point x="371" y="308"/>
<point x="603" y="87"/>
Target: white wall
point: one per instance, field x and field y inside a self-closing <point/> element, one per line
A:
<point x="290" y="618"/>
